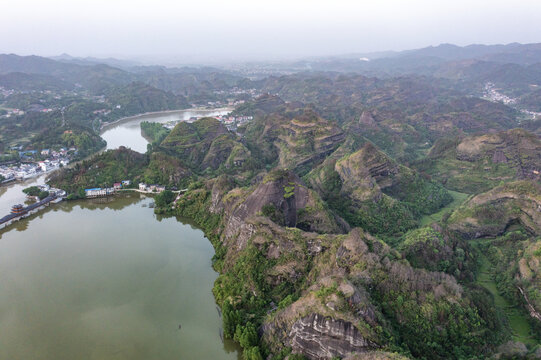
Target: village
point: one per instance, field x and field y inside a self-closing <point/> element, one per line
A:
<point x="34" y="163"/>
<point x="492" y="94"/>
<point x="231" y="122"/>
<point x="123" y="186"/>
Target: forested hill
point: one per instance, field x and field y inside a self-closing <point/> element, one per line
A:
<point x="323" y="232"/>
<point x="357" y="214"/>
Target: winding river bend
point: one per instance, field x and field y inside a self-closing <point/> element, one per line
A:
<point x="127" y="132"/>
<point x="106" y="279"/>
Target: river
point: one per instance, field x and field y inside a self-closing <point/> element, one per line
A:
<point x="127" y="132"/>
<point x="106" y="279"/>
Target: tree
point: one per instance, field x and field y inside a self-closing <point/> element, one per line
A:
<point x="230" y="318"/>
<point x="165" y="198"/>
<point x="32" y="191"/>
<point x="43" y="194"/>
<point x="252" y="353"/>
<point x="246" y="335"/>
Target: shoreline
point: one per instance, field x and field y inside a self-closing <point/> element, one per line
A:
<point x="106" y="126"/>
<point x="49" y="172"/>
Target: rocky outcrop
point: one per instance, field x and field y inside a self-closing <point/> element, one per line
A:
<point x="281" y="196"/>
<point x="319" y="337"/>
<point x="302" y="139"/>
<point x="490" y="213"/>
<point x="367" y="120"/>
<point x="475" y="164"/>
<point x="366" y="172"/>
<point x="517" y="146"/>
<point x="336" y="315"/>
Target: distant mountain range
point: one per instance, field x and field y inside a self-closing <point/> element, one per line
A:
<point x="516" y="68"/>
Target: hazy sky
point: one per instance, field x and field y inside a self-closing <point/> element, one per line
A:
<point x="270" y="29"/>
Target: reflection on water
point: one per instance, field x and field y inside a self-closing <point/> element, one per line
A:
<point x="13" y="193"/>
<point x="84" y="280"/>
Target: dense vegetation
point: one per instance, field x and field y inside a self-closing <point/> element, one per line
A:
<point x="318" y="208"/>
<point x="103" y="170"/>
<point x="155" y="132"/>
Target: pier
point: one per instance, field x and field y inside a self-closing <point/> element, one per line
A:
<point x="20" y="212"/>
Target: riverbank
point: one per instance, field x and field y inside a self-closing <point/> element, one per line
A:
<point x="108" y="125"/>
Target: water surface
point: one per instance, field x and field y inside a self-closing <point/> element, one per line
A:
<point x="109" y="280"/>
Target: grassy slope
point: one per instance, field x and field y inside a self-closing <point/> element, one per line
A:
<point x="518" y="323"/>
<point x="458" y="198"/>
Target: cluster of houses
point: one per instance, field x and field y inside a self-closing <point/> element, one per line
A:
<point x="59" y="193"/>
<point x="99" y="192"/>
<point x="101" y="112"/>
<point x="151" y="188"/>
<point x="26" y="171"/>
<point x="239" y="120"/>
<point x="492" y="94"/>
<point x="12" y="112"/>
<point x="29" y="167"/>
<point x="231" y="122"/>
<point x="19" y="172"/>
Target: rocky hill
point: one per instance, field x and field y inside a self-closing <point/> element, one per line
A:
<point x="371" y="190"/>
<point x="478" y="163"/>
<point x="403" y="116"/>
<point x="301" y="139"/>
<point x="508" y="219"/>
<point x="205" y="144"/>
<point x="492" y="212"/>
<point x="327" y="295"/>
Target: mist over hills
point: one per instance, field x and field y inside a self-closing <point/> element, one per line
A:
<point x="357" y="210"/>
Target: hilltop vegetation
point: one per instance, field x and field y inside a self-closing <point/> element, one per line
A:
<point x="335" y="233"/>
<point x="103" y="170"/>
<point x="317" y="232"/>
<point x="477" y="163"/>
<point x="154" y="132"/>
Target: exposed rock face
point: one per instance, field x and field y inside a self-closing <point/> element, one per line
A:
<point x="366" y="172"/>
<point x="336" y="315"/>
<point x="499" y="157"/>
<point x="320" y="337"/>
<point x="518" y="146"/>
<point x="302" y="140"/>
<point x="489" y="214"/>
<point x="367" y="120"/>
<point x="477" y="163"/>
<point x="295" y="206"/>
